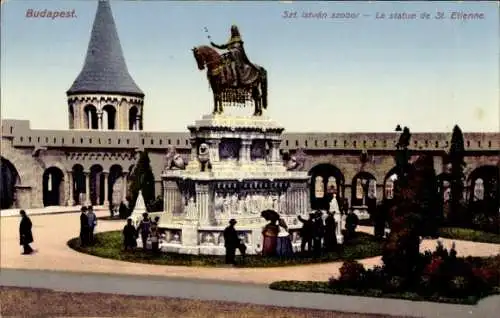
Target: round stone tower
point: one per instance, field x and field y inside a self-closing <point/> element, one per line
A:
<point x="104" y="96"/>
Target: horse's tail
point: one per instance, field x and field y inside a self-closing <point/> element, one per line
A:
<point x="264" y="87"/>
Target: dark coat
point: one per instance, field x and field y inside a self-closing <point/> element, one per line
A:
<point x="318" y="228"/>
<point x="25" y="234"/>
<point x="84" y="221"/>
<point x="231" y="239"/>
<point x="130" y="235"/>
<point x="307" y="228"/>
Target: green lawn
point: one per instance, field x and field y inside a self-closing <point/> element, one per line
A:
<point x="324" y="288"/>
<point x="469" y="235"/>
<point x="109" y="245"/>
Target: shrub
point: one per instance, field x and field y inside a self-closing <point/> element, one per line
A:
<point x="352" y="273"/>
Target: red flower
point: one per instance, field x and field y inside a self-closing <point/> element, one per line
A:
<point x="433" y="267"/>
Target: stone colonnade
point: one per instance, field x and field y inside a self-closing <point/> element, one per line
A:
<point x="72" y="186"/>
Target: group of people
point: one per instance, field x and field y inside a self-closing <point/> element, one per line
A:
<point x="147" y="230"/>
<point x="318" y="233"/>
<point x="88" y="222"/>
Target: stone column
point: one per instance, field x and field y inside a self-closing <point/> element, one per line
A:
<point x="71" y="185"/>
<point x="214" y="150"/>
<point x="137" y="122"/>
<point x="87" y="187"/>
<point x="275" y="151"/>
<point x="202" y="203"/>
<point x="99" y="120"/>
<point x="125" y="181"/>
<point x="171" y="198"/>
<point x="194" y="150"/>
<point x="245" y="151"/>
<point x="106" y="188"/>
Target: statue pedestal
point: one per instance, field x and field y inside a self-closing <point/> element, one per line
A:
<point x="244" y="175"/>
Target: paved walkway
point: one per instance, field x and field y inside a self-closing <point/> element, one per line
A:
<point x="51" y="233"/>
<point x="235" y="292"/>
<point x="49" y="210"/>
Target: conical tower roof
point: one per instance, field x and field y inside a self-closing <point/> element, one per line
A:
<point x="104" y="70"/>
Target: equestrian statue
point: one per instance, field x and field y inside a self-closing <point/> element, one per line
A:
<point x="232" y="77"/>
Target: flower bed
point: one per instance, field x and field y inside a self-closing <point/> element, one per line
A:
<point x="110" y="244"/>
<point x="440" y="276"/>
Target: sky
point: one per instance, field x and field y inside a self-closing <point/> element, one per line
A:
<point x="325" y="75"/>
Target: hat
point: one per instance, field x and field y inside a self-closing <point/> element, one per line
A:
<point x="232" y="221"/>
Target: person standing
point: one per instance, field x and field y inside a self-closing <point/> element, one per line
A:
<point x="92" y="219"/>
<point x="84" y="227"/>
<point x="330" y="240"/>
<point x="284" y="246"/>
<point x="318" y="232"/>
<point x="306" y="233"/>
<point x="270" y="238"/>
<point x="144" y="229"/>
<point x="154" y="234"/>
<point x="129" y="235"/>
<point x="25" y="234"/>
<point x="231" y="242"/>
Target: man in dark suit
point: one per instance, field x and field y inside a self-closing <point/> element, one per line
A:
<point x="84" y="227"/>
<point x="231" y="242"/>
<point x="25" y="234"/>
<point x="306" y="232"/>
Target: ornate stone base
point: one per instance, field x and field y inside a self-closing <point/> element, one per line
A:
<point x="209" y="240"/>
<point x="235" y="171"/>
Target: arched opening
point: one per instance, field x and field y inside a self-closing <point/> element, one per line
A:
<point x="326" y="179"/>
<point x="9" y="179"/>
<point x="389" y="181"/>
<point x="90" y="117"/>
<point x="363" y="189"/>
<point x="96" y="185"/>
<point x="483" y="186"/>
<point x="444" y="190"/>
<point x="71" y="112"/>
<point x="78" y="184"/>
<point x="109" y="117"/>
<point x="132" y="118"/>
<point x="53" y="186"/>
<point x="115" y="184"/>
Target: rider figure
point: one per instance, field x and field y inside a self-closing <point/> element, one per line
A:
<point x="237" y="53"/>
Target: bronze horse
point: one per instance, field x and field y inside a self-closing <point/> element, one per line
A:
<point x="208" y="57"/>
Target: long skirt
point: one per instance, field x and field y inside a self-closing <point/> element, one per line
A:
<point x="269" y="246"/>
<point x="284" y="246"/>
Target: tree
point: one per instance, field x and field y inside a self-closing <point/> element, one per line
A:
<point x="427" y="197"/>
<point x="142" y="179"/>
<point x="402" y="247"/>
<point x="456" y="158"/>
